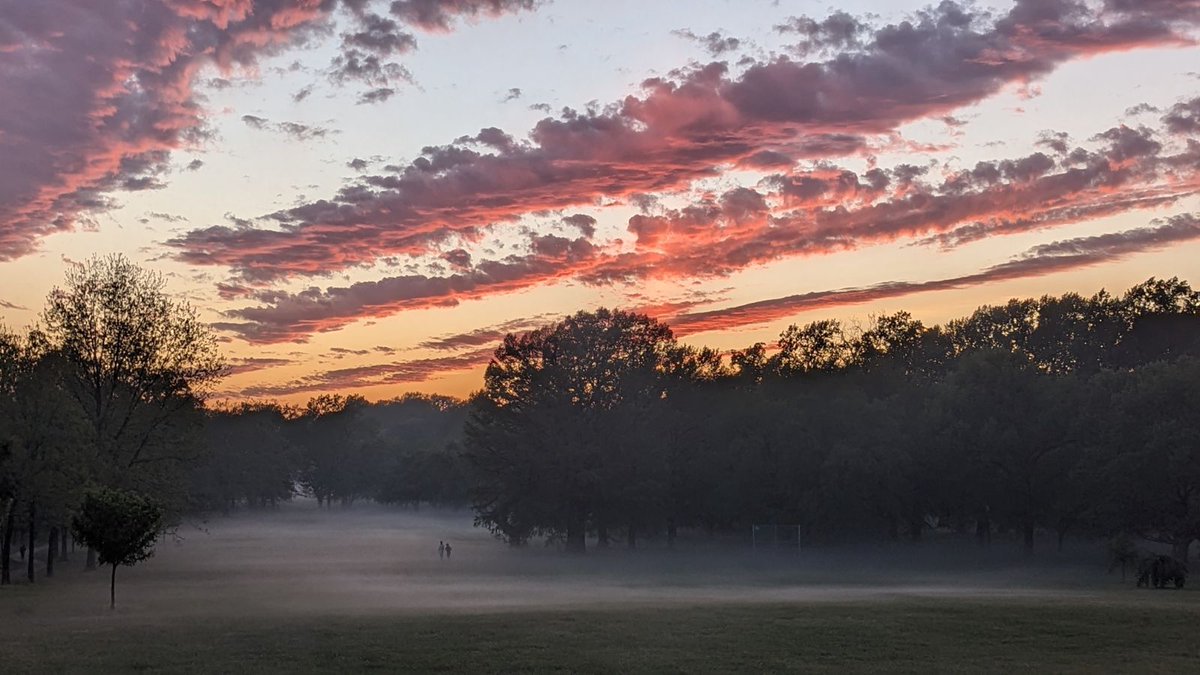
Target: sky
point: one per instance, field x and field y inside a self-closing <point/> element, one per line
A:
<point x="364" y="196"/>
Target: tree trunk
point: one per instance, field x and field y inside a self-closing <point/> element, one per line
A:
<point x="916" y="527"/>
<point x="575" y="541"/>
<point x="91" y="559"/>
<point x="1028" y="529"/>
<point x="62" y="545"/>
<point x="29" y="567"/>
<point x="112" y="588"/>
<point x="6" y="550"/>
<point x="576" y="531"/>
<point x="51" y="551"/>
<point x="983" y="529"/>
<point x="1180" y="550"/>
<point x="631" y="537"/>
<point x="602" y="535"/>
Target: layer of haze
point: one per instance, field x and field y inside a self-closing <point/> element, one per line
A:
<point x="300" y="562"/>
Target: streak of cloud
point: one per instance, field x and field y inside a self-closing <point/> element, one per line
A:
<point x="410" y="371"/>
<point x="124" y="95"/>
<point x="296" y="130"/>
<point x="687" y="128"/>
<point x="1038" y="261"/>
<point x="801" y="213"/>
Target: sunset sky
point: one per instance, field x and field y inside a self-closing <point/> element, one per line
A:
<point x="363" y="196"/>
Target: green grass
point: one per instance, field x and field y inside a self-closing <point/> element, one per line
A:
<point x="1131" y="632"/>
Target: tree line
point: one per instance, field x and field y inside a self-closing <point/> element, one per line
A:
<point x="105" y="420"/>
<point x="1066" y="414"/>
<point x="337" y="449"/>
<point x="101" y="408"/>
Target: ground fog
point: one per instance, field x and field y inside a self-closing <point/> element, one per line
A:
<point x="300" y="561"/>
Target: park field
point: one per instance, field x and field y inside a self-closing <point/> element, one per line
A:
<point x="307" y="591"/>
<point x="888" y="635"/>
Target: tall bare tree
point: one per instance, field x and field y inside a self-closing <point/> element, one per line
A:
<point x="139" y="364"/>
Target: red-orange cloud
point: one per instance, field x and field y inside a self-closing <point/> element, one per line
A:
<point x="95" y="95"/>
<point x="1038" y="261"/>
<point x="803" y="213"/>
<point x="687" y="128"/>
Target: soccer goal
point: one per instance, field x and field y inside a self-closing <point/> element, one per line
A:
<point x="775" y="537"/>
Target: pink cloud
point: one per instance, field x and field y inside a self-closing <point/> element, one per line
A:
<point x="685" y="128"/>
<point x="97" y="94"/>
<point x="801" y="213"/>
<point x="1038" y="261"/>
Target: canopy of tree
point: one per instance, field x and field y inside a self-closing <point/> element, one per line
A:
<point x="120" y="525"/>
<point x="1068" y="414"/>
<point x="106" y="391"/>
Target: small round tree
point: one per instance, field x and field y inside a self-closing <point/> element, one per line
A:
<point x="120" y="526"/>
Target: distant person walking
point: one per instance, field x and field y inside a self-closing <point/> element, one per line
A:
<point x="447" y="550"/>
<point x="442" y="550"/>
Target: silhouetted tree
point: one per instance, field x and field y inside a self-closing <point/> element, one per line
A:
<point x="557" y="403"/>
<point x="1151" y="454"/>
<point x="121" y="526"/>
<point x="340" y="449"/>
<point x="991" y="422"/>
<point x="817" y="347"/>
<point x="43" y="465"/>
<point x="421" y="440"/>
<point x="1161" y="321"/>
<point x="139" y="365"/>
<point x="897" y="346"/>
<point x="751" y="364"/>
<point x="1017" y="424"/>
<point x="1005" y="328"/>
<point x="250" y="459"/>
<point x="1076" y="334"/>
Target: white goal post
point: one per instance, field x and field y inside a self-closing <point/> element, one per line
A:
<point x="775" y="537"/>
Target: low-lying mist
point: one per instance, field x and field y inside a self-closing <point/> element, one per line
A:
<point x="299" y="560"/>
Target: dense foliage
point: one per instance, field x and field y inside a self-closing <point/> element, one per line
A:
<point x="106" y="392"/>
<point x="1065" y="415"/>
<point x="121" y="526"/>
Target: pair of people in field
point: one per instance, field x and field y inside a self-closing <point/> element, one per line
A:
<point x="444" y="550"/>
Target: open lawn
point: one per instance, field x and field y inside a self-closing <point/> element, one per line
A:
<point x="302" y="591"/>
<point x="920" y="635"/>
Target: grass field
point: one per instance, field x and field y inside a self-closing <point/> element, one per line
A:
<point x="299" y="591"/>
<point x="891" y="635"/>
